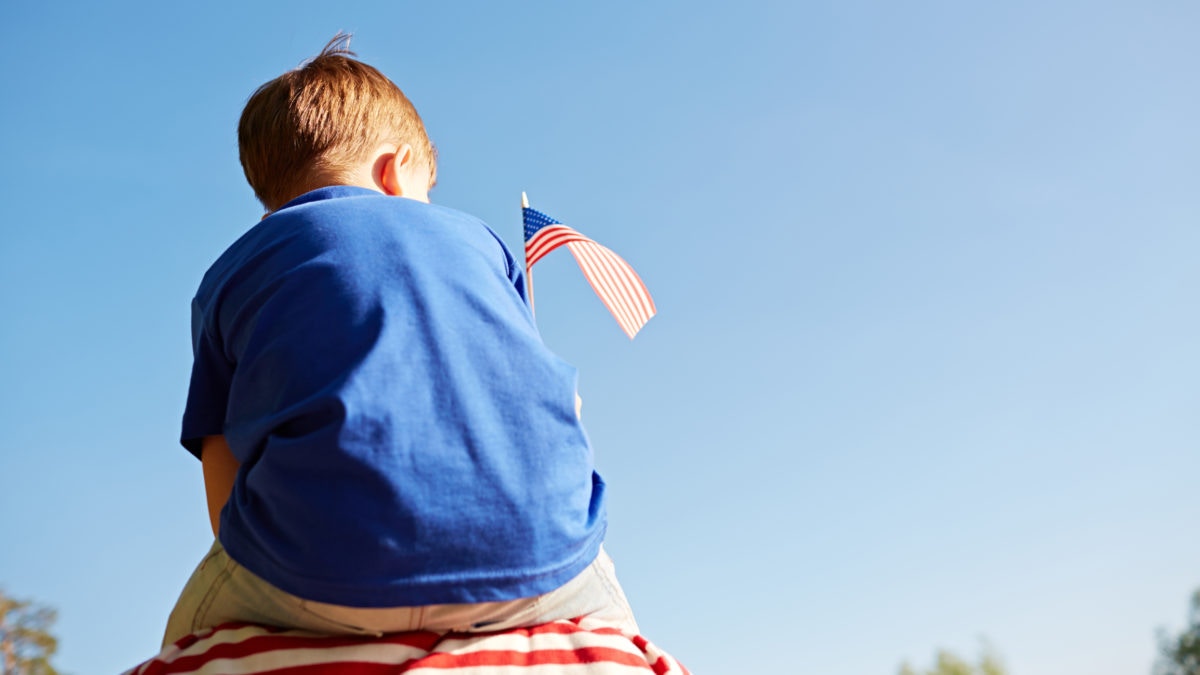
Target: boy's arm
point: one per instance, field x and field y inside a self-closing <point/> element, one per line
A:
<point x="220" y="468"/>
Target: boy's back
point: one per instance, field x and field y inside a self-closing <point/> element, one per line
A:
<point x="404" y="435"/>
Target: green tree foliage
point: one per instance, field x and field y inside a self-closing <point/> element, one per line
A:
<point x="1180" y="655"/>
<point x="26" y="644"/>
<point x="948" y="663"/>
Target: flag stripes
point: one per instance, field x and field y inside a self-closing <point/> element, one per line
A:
<point x="546" y="240"/>
<point x="624" y="293"/>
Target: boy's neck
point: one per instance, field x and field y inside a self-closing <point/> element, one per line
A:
<point x="390" y="171"/>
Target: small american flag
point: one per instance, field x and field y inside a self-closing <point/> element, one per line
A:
<point x="619" y="287"/>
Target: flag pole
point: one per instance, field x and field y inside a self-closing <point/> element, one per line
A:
<point x="528" y="269"/>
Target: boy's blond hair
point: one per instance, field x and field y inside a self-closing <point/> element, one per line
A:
<point x="310" y="126"/>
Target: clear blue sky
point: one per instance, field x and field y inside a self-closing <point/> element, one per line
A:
<point x="925" y="366"/>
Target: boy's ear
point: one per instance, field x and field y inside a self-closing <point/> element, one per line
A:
<point x="391" y="167"/>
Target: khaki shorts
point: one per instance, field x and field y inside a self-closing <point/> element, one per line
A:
<point x="221" y="591"/>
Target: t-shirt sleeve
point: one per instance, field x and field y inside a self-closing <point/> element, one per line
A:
<point x="208" y="393"/>
<point x="514" y="271"/>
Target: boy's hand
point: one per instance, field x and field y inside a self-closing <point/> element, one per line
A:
<point x="220" y="469"/>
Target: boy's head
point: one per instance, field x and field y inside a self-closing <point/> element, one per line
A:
<point x="327" y="122"/>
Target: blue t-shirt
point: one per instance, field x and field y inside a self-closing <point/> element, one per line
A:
<point x="405" y="437"/>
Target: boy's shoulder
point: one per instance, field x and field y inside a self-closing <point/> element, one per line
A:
<point x="353" y="225"/>
<point x="343" y="212"/>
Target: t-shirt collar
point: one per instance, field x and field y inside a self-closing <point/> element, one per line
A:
<point x="330" y="192"/>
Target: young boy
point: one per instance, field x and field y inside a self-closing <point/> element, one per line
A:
<point x="387" y="444"/>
